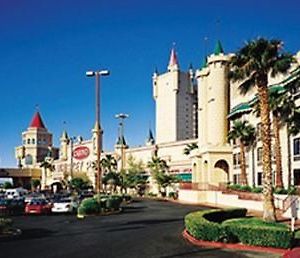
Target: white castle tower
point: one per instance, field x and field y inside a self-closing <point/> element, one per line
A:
<point x="176" y="99"/>
<point x="214" y="157"/>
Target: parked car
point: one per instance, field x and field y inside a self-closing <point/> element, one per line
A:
<point x="12" y="206"/>
<point x="34" y="195"/>
<point x="15" y="193"/>
<point x="65" y="205"/>
<point x="38" y="206"/>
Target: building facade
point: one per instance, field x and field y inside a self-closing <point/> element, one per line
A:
<point x="191" y="107"/>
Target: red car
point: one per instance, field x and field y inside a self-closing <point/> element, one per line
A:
<point x="38" y="206"/>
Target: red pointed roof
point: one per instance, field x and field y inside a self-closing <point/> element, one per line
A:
<point x="37" y="121"/>
<point x="173" y="58"/>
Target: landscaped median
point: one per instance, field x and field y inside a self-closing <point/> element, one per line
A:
<point x="232" y="226"/>
<point x="101" y="205"/>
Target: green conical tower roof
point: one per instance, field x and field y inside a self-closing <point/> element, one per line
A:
<point x="218" y="49"/>
<point x="204" y="63"/>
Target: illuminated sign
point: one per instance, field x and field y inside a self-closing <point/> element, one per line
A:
<point x="81" y="152"/>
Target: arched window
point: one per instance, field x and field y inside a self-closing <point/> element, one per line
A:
<point x="33" y="141"/>
<point x="28" y="141"/>
<point x="28" y="159"/>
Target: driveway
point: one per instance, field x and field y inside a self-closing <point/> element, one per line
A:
<point x="145" y="229"/>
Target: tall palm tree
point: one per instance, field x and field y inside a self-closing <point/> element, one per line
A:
<point x="245" y="134"/>
<point x="109" y="163"/>
<point x="251" y="66"/>
<point x="281" y="106"/>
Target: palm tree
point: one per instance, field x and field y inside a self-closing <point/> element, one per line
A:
<point x="109" y="163"/>
<point x="251" y="66"/>
<point x="245" y="134"/>
<point x="189" y="147"/>
<point x="159" y="168"/>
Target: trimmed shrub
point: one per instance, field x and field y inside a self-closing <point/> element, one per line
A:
<point x="246" y="188"/>
<point x="127" y="197"/>
<point x="206" y="225"/>
<point x="235" y="187"/>
<point x="254" y="231"/>
<point x="257" y="190"/>
<point x="89" y="206"/>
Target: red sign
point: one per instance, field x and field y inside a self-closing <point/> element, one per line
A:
<point x="81" y="152"/>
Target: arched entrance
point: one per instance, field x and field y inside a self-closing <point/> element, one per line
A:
<point x="56" y="186"/>
<point x="220" y="173"/>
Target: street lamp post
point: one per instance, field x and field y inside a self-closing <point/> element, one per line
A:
<point x="122" y="117"/>
<point x="98" y="129"/>
<point x="72" y="139"/>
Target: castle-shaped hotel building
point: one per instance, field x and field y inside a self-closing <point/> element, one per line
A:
<point x="194" y="106"/>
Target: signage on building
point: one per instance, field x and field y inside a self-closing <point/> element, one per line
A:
<point x="81" y="152"/>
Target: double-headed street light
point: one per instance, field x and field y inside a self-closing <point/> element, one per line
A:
<point x="98" y="129"/>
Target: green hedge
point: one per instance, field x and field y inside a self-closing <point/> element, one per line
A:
<point x="231" y="225"/>
<point x="254" y="231"/>
<point x="100" y="203"/>
<point x="89" y="206"/>
<point x="206" y="225"/>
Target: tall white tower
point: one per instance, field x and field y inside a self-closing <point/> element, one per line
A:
<point x="175" y="96"/>
<point x="214" y="158"/>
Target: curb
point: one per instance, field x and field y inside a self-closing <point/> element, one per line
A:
<point x="202" y="243"/>
<point x="81" y="216"/>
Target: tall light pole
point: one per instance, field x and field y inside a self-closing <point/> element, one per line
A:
<point x="98" y="129"/>
<point x="121" y="117"/>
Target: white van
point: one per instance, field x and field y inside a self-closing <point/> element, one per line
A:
<point x="15" y="193"/>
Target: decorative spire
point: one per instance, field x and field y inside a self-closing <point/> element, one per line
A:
<point x="64" y="136"/>
<point x="121" y="141"/>
<point x="204" y="63"/>
<point x="37" y="121"/>
<point x="218" y="48"/>
<point x="150" y="139"/>
<point x="173" y="62"/>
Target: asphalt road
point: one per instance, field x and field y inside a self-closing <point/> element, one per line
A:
<point x="144" y="229"/>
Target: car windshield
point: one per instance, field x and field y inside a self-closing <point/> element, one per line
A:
<point x="64" y="200"/>
<point x="37" y="202"/>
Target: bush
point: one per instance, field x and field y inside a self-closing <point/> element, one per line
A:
<point x="127" y="197"/>
<point x="290" y="191"/>
<point x="89" y="206"/>
<point x="232" y="226"/>
<point x="150" y="194"/>
<point x="257" y="190"/>
<point x="173" y="195"/>
<point x="235" y="187"/>
<point x="246" y="188"/>
<point x="206" y="225"/>
<point x="254" y="231"/>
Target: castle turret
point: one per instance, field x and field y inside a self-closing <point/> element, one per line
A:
<point x="64" y="141"/>
<point x="214" y="158"/>
<point x="97" y="137"/>
<point x="174" y="103"/>
<point x="36" y="143"/>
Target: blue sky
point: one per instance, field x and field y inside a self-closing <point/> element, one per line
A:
<point x="46" y="47"/>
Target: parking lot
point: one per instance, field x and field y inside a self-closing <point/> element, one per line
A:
<point x="144" y="229"/>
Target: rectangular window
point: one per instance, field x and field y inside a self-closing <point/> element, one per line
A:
<point x="259" y="155"/>
<point x="296" y="146"/>
<point x="236" y="159"/>
<point x="296" y="176"/>
<point x="236" y="179"/>
<point x="259" y="178"/>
